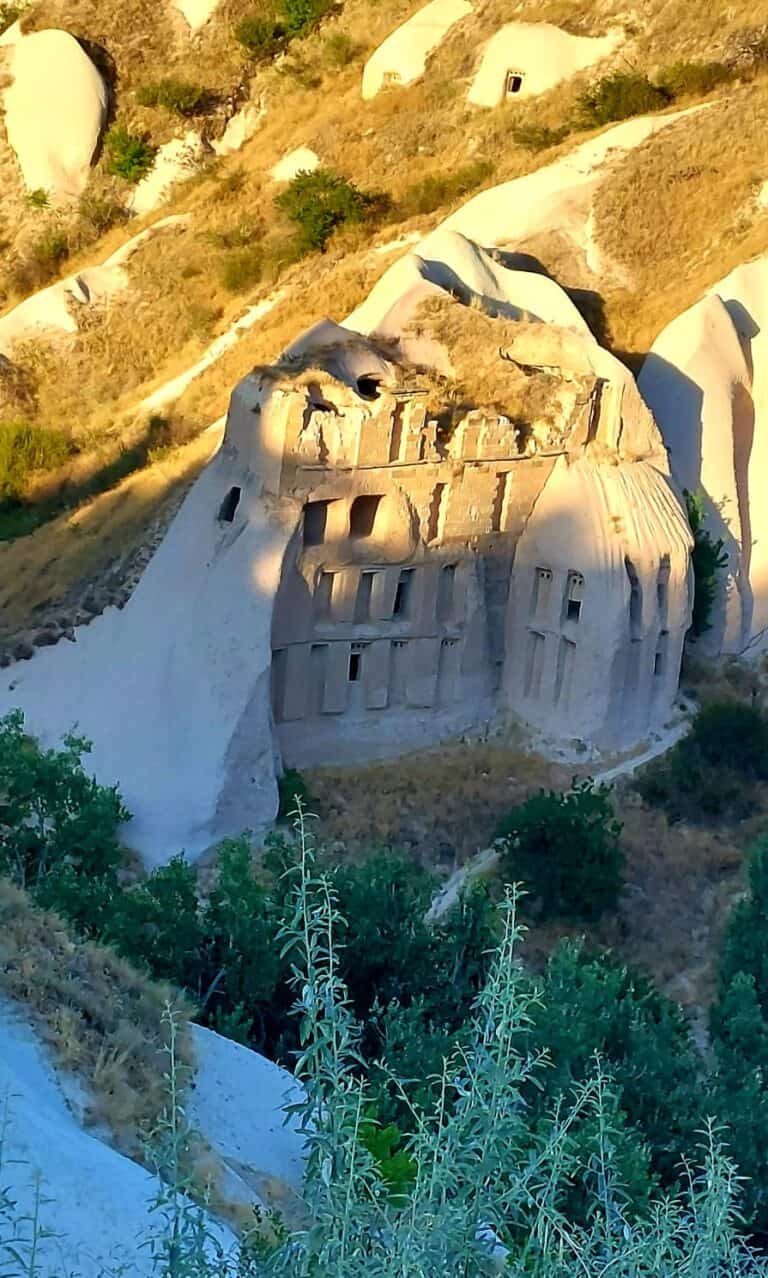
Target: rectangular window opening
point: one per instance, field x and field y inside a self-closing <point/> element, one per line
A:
<point x="437" y="507"/>
<point x="363" y="598"/>
<point x="315" y="522"/>
<point x="356" y="662"/>
<point x="324" y="596"/>
<point x="498" y="510"/>
<point x="403" y="594"/>
<point x="445" y="593"/>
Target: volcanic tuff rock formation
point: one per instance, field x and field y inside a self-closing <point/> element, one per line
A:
<point x="434" y="514"/>
<point x="54" y="111"/>
<point x="524" y="59"/>
<point x="706" y="379"/>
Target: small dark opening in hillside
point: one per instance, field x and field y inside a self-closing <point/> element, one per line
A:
<point x="229" y="505"/>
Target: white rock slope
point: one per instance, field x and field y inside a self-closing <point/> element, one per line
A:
<point x="54" y="112"/>
<point x="706" y="380"/>
<point x="402" y="57"/>
<point x="524" y="59"/>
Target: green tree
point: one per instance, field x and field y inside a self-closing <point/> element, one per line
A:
<point x="566" y="849"/>
<point x="318" y="203"/>
<point x="593" y="1006"/>
<point x="157" y="923"/>
<point x="619" y="96"/>
<point x="708" y="559"/>
<point x="59" y="829"/>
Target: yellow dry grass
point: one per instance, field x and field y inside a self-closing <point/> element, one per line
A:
<point x="101" y="1018"/>
<point x="41" y="571"/>
<point x="439" y="805"/>
<point x="681" y="211"/>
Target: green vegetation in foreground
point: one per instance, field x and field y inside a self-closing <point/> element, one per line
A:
<point x="411" y="988"/>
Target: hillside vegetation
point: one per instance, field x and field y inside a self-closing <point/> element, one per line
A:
<point x="410" y="155"/>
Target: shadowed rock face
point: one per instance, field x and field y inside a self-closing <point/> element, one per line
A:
<point x="55" y="108"/>
<point x="706" y="380"/>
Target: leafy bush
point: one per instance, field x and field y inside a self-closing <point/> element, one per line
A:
<point x="339" y="51"/>
<point x="58" y="826"/>
<point x="25" y="451"/>
<point x="129" y="155"/>
<point x="241" y="269"/>
<point x="261" y="37"/>
<point x="746" y="943"/>
<point x="292" y="790"/>
<point x="39" y="198"/>
<point x="156" y="923"/>
<point x="711" y="773"/>
<point x="565" y="848"/>
<point x="433" y="192"/>
<point x="320" y="202"/>
<point x="593" y="1006"/>
<point x="9" y="13"/>
<point x="619" y="96"/>
<point x="97" y="214"/>
<point x="537" y="137"/>
<point x="180" y="96"/>
<point x="739" y="1027"/>
<point x="488" y="1178"/>
<point x="708" y="559"/>
<point x="300" y="15"/>
<point x="682" y="79"/>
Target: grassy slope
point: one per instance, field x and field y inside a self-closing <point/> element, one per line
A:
<point x="700" y="220"/>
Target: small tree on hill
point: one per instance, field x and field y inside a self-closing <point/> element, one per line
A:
<point x="320" y="202"/>
<point x="708" y="558"/>
<point x="565" y="848"/>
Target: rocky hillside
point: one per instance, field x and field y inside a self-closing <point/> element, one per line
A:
<point x="153" y="249"/>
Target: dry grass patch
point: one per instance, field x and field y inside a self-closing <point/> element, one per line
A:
<point x="101" y="1018"/>
<point x="79" y="552"/>
<point x="701" y="219"/>
<point x="440" y="805"/>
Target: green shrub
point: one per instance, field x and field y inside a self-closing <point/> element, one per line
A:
<point x="292" y="790"/>
<point x="97" y="214"/>
<point x="617" y="97"/>
<point x="156" y="923"/>
<point x="682" y="79"/>
<point x="565" y="848"/>
<point x="26" y="451"/>
<point x="594" y="1006"/>
<point x="538" y="137"/>
<point x="241" y="269"/>
<point x="129" y="155"/>
<point x="319" y="203"/>
<point x="707" y="559"/>
<point x="711" y="773"/>
<point x="9" y="13"/>
<point x="58" y="826"/>
<point x="300" y="15"/>
<point x="739" y="1029"/>
<point x="339" y="51"/>
<point x="433" y="192"/>
<point x="745" y="949"/>
<point x="38" y="199"/>
<point x="261" y="37"/>
<point x="180" y="96"/>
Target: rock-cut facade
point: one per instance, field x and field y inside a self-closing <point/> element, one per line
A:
<point x="457" y="513"/>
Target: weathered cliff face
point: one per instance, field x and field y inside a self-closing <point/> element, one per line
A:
<point x="706" y="380"/>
